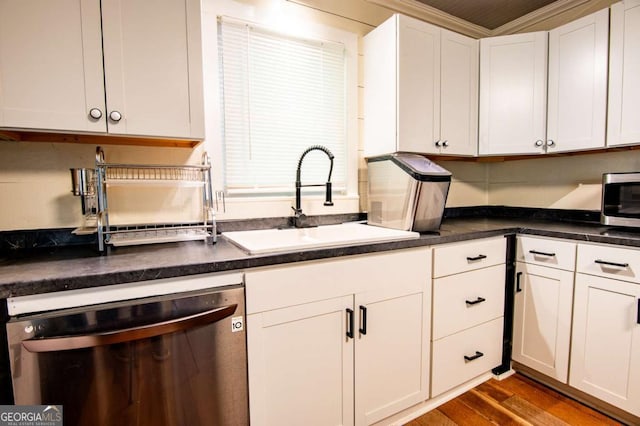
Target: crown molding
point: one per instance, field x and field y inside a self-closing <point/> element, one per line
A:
<point x="437" y="17"/>
<point x="539" y="15"/>
<point x="434" y="16"/>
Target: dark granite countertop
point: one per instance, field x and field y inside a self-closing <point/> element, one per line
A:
<point x="73" y="268"/>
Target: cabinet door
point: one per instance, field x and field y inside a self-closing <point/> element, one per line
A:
<point x="153" y="67"/>
<point x="301" y="365"/>
<point x="605" y="352"/>
<point x="380" y="48"/>
<point x="418" y="81"/>
<point x="513" y="88"/>
<point x="51" y="65"/>
<point x="458" y="94"/>
<point x="624" y="74"/>
<point x="542" y="319"/>
<point x="392" y="358"/>
<point x="578" y="63"/>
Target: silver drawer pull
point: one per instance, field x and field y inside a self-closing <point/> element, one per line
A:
<point x="604" y="262"/>
<point x="542" y="253"/>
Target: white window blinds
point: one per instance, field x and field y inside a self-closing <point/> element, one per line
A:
<point x="281" y="94"/>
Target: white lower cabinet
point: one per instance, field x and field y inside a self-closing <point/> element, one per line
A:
<point x="468" y="311"/>
<point x="465" y="355"/>
<point x="301" y="365"/>
<point x="542" y="319"/>
<point x="605" y="354"/>
<point x="543" y="302"/>
<point x="388" y="359"/>
<point x="339" y="342"/>
<point x="580" y="325"/>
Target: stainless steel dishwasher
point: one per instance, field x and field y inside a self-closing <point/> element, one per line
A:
<point x="169" y="359"/>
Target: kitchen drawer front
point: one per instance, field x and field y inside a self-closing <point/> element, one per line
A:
<point x="547" y="252"/>
<point x="465" y="300"/>
<point x="468" y="255"/>
<point x="610" y="262"/>
<point x="451" y="368"/>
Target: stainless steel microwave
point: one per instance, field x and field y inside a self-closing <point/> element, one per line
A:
<point x="620" y="199"/>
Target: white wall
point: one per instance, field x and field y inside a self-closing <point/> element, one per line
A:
<point x="35" y="183"/>
<point x="572" y="182"/>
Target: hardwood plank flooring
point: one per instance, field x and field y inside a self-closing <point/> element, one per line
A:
<point x="516" y="400"/>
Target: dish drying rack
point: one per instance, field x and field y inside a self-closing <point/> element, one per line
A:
<point x="112" y="174"/>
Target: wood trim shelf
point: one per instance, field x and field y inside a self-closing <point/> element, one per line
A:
<point x="94" y="139"/>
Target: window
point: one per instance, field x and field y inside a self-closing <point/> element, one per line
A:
<point x="280" y="94"/>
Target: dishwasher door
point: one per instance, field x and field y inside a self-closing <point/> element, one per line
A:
<point x="177" y="359"/>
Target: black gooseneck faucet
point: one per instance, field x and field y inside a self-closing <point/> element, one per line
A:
<point x="299" y="217"/>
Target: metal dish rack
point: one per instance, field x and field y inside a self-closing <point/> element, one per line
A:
<point x="112" y="174"/>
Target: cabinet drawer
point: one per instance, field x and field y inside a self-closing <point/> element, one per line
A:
<point x="547" y="252"/>
<point x="608" y="261"/>
<point x="465" y="300"/>
<point x="465" y="355"/>
<point x="468" y="255"/>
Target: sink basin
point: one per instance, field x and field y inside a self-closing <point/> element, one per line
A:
<point x="279" y="240"/>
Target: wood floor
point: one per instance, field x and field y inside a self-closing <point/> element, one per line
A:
<point x="515" y="400"/>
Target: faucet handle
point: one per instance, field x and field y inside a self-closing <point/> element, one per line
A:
<point x="328" y="201"/>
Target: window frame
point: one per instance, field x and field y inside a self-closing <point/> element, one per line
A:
<point x="288" y="22"/>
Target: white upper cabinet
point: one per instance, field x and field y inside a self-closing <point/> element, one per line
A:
<point x="52" y="76"/>
<point x="522" y="111"/>
<point x="578" y="84"/>
<point x="417" y="92"/>
<point x="459" y="65"/>
<point x="153" y="68"/>
<point x="513" y="75"/>
<point x="623" y="126"/>
<point x="51" y="65"/>
<point x="420" y="90"/>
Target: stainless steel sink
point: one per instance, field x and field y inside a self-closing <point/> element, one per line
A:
<point x="280" y="240"/>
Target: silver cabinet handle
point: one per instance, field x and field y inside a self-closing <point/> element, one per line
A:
<point x="445" y="143"/>
<point x="95" y="113"/>
<point x="550" y="142"/>
<point x="115" y="116"/>
<point x="539" y="143"/>
<point x="438" y="144"/>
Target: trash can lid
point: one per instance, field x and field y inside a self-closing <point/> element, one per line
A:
<point x="417" y="166"/>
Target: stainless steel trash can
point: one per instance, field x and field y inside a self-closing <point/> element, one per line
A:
<point x="406" y="191"/>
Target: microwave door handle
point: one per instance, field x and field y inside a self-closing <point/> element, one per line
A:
<point x="128" y="334"/>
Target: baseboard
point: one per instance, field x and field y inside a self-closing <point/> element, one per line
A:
<point x="418" y="410"/>
<point x="582" y="397"/>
